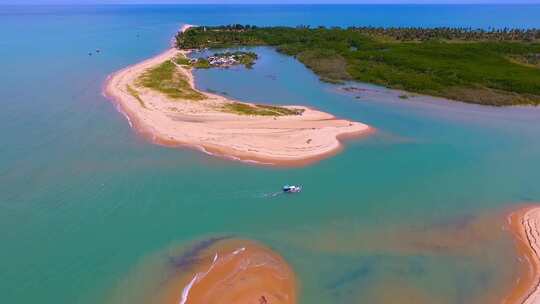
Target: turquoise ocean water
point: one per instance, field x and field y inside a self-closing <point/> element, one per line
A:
<point x="87" y="206"/>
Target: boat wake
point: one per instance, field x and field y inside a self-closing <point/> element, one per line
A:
<point x="272" y="194"/>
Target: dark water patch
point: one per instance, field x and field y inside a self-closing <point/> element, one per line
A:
<point x="191" y="256"/>
<point x="367" y="267"/>
<point x="459" y="223"/>
<point x="467" y="285"/>
<point x="415" y="267"/>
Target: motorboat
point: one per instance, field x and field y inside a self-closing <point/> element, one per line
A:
<point x="292" y="189"/>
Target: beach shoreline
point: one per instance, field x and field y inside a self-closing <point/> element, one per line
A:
<point x="524" y="224"/>
<point x="294" y="140"/>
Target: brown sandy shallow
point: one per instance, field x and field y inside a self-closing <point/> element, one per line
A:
<point x="525" y="226"/>
<point x="285" y="140"/>
<point x="469" y="238"/>
<point x="239" y="271"/>
<point x="228" y="270"/>
<point x="233" y="271"/>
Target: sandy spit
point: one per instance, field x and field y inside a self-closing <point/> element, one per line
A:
<point x="286" y="140"/>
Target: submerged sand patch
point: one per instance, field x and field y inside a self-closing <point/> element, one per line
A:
<point x="238" y="271"/>
<point x="215" y="270"/>
<point x="226" y="270"/>
<point x="467" y="258"/>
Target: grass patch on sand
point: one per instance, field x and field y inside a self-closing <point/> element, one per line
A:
<point x="202" y="63"/>
<point x="182" y="60"/>
<point x="166" y="79"/>
<point x="260" y="110"/>
<point x="135" y="94"/>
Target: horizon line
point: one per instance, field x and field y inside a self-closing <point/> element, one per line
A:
<point x="268" y="3"/>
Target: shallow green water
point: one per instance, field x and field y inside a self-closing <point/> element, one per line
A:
<point x="85" y="202"/>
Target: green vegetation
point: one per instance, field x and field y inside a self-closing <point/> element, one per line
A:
<point x="135" y="94"/>
<point x="497" y="67"/>
<point x="182" y="60"/>
<point x="246" y="58"/>
<point x="166" y="79"/>
<point x="447" y="33"/>
<point x="260" y="110"/>
<point x="330" y="65"/>
<point x="202" y="63"/>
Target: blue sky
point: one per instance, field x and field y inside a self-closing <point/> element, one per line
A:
<point x="258" y="1"/>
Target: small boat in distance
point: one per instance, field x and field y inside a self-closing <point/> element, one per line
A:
<point x="292" y="189"/>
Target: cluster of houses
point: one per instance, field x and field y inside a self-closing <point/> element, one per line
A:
<point x="219" y="61"/>
<point x="225" y="59"/>
<point x="222" y="60"/>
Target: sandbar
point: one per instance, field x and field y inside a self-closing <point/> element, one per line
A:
<point x="233" y="271"/>
<point x="289" y="140"/>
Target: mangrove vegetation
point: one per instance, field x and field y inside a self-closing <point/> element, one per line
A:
<point x="492" y="67"/>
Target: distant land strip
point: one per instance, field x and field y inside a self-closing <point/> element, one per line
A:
<point x="497" y="67"/>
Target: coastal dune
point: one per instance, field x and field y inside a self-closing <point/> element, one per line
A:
<point x="525" y="226"/>
<point x="204" y="125"/>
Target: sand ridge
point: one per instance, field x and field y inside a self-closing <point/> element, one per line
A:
<point x="232" y="271"/>
<point x="241" y="272"/>
<point x="202" y="124"/>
